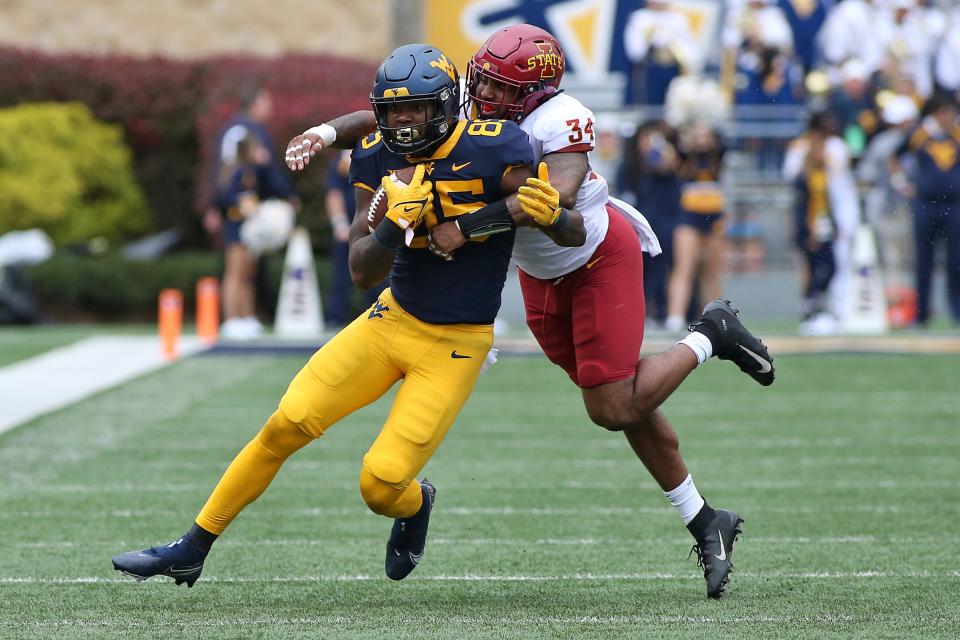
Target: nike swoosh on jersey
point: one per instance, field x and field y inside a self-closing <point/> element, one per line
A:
<point x="454" y="354"/>
<point x="458" y="167"/>
<point x="593" y="262"/>
<point x="764" y="365"/>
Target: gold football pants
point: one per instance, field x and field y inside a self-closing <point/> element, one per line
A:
<point x="438" y="366"/>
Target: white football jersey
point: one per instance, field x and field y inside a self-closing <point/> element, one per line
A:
<point x="563" y="123"/>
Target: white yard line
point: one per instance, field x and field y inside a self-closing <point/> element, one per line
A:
<point x="60" y="377"/>
<point x="326" y="621"/>
<point x="574" y="577"/>
<point x="524" y="542"/>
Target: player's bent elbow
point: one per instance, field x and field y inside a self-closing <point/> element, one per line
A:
<point x="362" y="279"/>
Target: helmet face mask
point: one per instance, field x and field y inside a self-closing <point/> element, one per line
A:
<point x="416" y="79"/>
<point x="516" y="70"/>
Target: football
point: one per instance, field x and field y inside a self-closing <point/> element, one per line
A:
<point x="378" y="206"/>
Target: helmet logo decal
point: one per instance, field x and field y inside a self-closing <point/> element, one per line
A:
<point x="444" y="65"/>
<point x="546" y="60"/>
<point x="396" y="93"/>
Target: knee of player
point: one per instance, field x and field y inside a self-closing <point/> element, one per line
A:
<point x="616" y="412"/>
<point x="282" y="436"/>
<point x="295" y="409"/>
<point x="381" y="496"/>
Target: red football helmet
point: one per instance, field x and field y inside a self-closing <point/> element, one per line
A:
<point x="523" y="57"/>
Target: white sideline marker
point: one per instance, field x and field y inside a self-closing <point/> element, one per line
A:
<point x="299" y="311"/>
<point x="866" y="305"/>
<point x="60" y="377"/>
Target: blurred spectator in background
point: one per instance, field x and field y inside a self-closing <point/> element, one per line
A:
<point x="911" y="45"/>
<point x="758" y="44"/>
<point x="883" y="205"/>
<point x="934" y="188"/>
<point x="660" y="46"/>
<point x="246" y="172"/>
<point x="855" y="29"/>
<point x="805" y="18"/>
<point x="841" y="192"/>
<point x="341" y="206"/>
<point x="648" y="179"/>
<point x="947" y="56"/>
<point x="699" y="243"/>
<point x="815" y="231"/>
<point x="852" y="106"/>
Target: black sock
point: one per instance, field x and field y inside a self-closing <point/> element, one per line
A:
<point x="202" y="537"/>
<point x="712" y="333"/>
<point x="698" y="526"/>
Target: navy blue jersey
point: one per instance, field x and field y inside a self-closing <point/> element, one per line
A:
<point x="466" y="171"/>
<point x="938" y="163"/>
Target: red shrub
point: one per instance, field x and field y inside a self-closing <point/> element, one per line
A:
<point x="172" y="110"/>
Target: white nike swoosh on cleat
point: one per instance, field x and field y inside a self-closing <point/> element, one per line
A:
<point x="764" y="365"/>
<point x="723" y="550"/>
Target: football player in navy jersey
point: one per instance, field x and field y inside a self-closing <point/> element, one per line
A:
<point x="584" y="302"/>
<point x="431" y="330"/>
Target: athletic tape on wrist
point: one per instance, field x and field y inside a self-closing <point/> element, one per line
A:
<point x="327" y="133"/>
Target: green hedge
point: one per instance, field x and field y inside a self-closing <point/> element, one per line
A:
<point x="63" y="171"/>
<point x="109" y="287"/>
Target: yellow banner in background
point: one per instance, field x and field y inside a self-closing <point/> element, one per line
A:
<point x="590" y="31"/>
<point x="444" y="28"/>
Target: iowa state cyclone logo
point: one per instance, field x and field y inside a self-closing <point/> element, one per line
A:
<point x="547" y="60"/>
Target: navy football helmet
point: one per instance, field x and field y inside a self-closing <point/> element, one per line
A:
<point x="417" y="72"/>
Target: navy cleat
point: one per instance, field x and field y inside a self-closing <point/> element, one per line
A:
<point x="715" y="551"/>
<point x="181" y="560"/>
<point x="733" y="341"/>
<point x="408" y="538"/>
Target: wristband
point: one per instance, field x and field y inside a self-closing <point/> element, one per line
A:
<point x="493" y="218"/>
<point x="560" y="222"/>
<point x="327" y="133"/>
<point x="388" y="234"/>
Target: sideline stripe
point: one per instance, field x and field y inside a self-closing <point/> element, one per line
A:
<point x="60" y="377"/>
<point x="655" y="342"/>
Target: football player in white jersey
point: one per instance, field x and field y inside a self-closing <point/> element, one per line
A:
<point x="585" y="304"/>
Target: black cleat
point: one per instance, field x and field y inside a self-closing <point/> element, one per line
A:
<point x="181" y="560"/>
<point x="715" y="551"/>
<point x="408" y="538"/>
<point x="733" y="341"/>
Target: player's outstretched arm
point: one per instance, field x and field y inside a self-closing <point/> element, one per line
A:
<point x="342" y="132"/>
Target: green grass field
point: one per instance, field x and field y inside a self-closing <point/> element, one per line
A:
<point x="846" y="471"/>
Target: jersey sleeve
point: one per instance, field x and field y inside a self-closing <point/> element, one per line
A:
<point x="366" y="166"/>
<point x="501" y="140"/>
<point x="515" y="146"/>
<point x="567" y="127"/>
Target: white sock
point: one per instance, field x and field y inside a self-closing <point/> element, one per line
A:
<point x="675" y="323"/>
<point x="686" y="499"/>
<point x="700" y="344"/>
